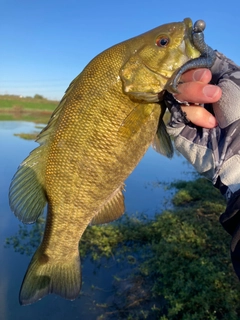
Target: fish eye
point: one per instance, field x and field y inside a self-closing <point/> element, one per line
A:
<point x="162" y="41"/>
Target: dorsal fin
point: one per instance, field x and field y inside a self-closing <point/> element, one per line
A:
<point x="27" y="191"/>
<point x="27" y="196"/>
<point x="112" y="209"/>
<point x="51" y="126"/>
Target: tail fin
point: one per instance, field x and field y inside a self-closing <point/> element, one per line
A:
<point x="44" y="277"/>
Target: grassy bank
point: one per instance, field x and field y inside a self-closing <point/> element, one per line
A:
<point x="176" y="266"/>
<point x="38" y="110"/>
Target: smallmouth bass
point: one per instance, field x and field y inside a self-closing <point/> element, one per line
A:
<point x="102" y="127"/>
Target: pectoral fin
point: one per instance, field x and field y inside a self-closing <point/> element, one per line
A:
<point x="112" y="209"/>
<point x="136" y="119"/>
<point x="162" y="142"/>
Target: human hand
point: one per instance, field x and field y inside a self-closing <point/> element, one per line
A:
<point x="195" y="88"/>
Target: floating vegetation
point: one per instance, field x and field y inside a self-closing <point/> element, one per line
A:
<point x="27" y="136"/>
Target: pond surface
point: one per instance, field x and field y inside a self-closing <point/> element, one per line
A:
<point x="143" y="194"/>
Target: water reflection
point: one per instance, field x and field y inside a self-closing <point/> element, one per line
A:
<point x="141" y="196"/>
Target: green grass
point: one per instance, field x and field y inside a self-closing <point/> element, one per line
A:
<point x="39" y="105"/>
<point x="26" y="109"/>
<point x="10" y="101"/>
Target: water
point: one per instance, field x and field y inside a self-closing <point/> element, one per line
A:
<point x="142" y="195"/>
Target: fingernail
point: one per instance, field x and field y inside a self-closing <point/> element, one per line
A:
<point x="210" y="91"/>
<point x="199" y="75"/>
<point x="212" y="121"/>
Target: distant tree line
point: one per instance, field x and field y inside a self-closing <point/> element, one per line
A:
<point x="38" y="96"/>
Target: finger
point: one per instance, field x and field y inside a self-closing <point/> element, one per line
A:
<point x="200" y="116"/>
<point x="202" y="75"/>
<point x="198" y="92"/>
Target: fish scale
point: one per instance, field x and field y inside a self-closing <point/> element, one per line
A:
<point x="107" y="119"/>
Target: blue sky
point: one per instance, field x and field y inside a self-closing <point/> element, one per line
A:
<point x="46" y="43"/>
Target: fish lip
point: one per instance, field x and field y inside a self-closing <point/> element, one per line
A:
<point x="188" y="24"/>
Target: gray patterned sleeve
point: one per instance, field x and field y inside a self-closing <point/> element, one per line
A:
<point x="215" y="153"/>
